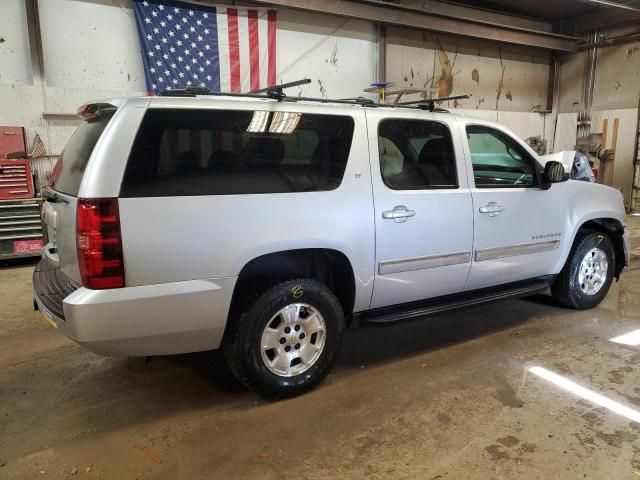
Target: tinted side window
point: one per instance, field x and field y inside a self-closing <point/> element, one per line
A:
<point x="69" y="169"/>
<point x="224" y="152"/>
<point x="498" y="159"/>
<point x="416" y="154"/>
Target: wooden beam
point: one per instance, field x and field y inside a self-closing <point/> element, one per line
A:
<point x="391" y="14"/>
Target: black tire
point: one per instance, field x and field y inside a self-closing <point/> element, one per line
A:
<point x="242" y="346"/>
<point x="566" y="288"/>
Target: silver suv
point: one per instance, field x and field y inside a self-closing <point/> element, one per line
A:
<point x="266" y="226"/>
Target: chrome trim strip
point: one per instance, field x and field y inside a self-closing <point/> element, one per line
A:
<point x="515" y="250"/>
<point x="420" y="263"/>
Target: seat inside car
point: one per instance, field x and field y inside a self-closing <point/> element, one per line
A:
<point x="435" y="160"/>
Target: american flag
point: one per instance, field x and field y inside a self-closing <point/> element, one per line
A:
<point x="38" y="149"/>
<point x="224" y="49"/>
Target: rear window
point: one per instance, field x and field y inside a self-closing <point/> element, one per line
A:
<point x="69" y="169"/>
<point x="222" y="152"/>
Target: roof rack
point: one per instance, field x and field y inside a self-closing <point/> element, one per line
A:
<point x="430" y="103"/>
<point x="276" y="92"/>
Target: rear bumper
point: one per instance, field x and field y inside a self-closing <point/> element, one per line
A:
<point x="163" y="319"/>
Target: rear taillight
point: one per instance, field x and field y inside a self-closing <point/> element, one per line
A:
<point x="99" y="243"/>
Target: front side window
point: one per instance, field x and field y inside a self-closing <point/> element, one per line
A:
<point x="227" y="152"/>
<point x="416" y="155"/>
<point x="499" y="160"/>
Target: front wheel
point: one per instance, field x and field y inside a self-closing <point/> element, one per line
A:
<point x="586" y="277"/>
<point x="287" y="341"/>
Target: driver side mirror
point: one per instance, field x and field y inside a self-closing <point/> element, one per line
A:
<point x="554" y="173"/>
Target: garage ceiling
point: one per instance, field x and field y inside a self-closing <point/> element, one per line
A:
<point x="553" y="10"/>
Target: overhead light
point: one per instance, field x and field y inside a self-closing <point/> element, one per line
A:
<point x="631" y="338"/>
<point x="258" y="122"/>
<point x="583" y="392"/>
<point x="284" y="122"/>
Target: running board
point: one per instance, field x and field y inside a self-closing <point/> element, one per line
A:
<point x="457" y="301"/>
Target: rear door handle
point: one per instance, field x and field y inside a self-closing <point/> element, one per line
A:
<point x="399" y="214"/>
<point x="492" y="208"/>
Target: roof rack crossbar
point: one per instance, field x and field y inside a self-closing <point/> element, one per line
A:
<point x="277" y="91"/>
<point x="430" y="103"/>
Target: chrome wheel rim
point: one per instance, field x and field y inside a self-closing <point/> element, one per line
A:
<point x="293" y="340"/>
<point x="593" y="271"/>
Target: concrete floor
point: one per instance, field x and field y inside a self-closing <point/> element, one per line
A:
<point x="450" y="397"/>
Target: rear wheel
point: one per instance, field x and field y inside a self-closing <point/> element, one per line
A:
<point x="586" y="277"/>
<point x="286" y="342"/>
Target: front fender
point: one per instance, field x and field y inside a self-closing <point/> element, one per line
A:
<point x="585" y="202"/>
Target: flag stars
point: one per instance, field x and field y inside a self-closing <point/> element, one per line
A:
<point x="147" y="20"/>
<point x="179" y="43"/>
<point x="198" y="22"/>
<point x="171" y="34"/>
<point x="191" y="13"/>
<point x="205" y="15"/>
<point x="200" y="54"/>
<point x="209" y="78"/>
<point x="207" y="47"/>
<point x="164" y="40"/>
<point x="174" y="66"/>
<point x="172" y="50"/>
<point x="184" y="20"/>
<point x="156" y="46"/>
<point x="201" y="69"/>
<point x="165" y="56"/>
<point x="187" y="51"/>
<point x="167" y="72"/>
<point x="174" y="81"/>
<point x="150" y="53"/>
<point x="188" y="68"/>
<point x="200" y="38"/>
<point x="180" y="59"/>
<point x="178" y="27"/>
<point x="206" y="31"/>
<point x="163" y="24"/>
<point x="159" y="63"/>
<point x="192" y="29"/>
<point x="176" y="10"/>
<point x="185" y="36"/>
<point x="208" y="62"/>
<point x="160" y="7"/>
<point x="149" y="36"/>
<point x="193" y="44"/>
<point x="156" y="30"/>
<point x="194" y="61"/>
<point x="154" y="13"/>
<point x="181" y="75"/>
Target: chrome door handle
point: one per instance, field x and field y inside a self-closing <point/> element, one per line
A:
<point x="399" y="214"/>
<point x="492" y="208"/>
